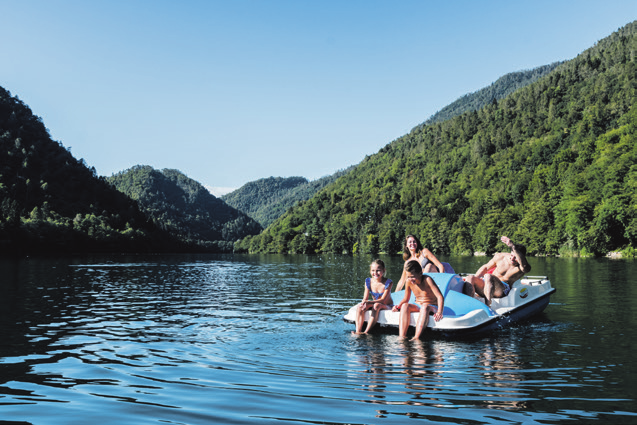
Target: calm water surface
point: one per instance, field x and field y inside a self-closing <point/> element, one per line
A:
<point x="260" y="339"/>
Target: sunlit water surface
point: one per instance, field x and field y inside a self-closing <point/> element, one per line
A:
<point x="260" y="339"/>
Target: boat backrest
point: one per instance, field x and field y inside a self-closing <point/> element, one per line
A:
<point x="459" y="304"/>
<point x="451" y="286"/>
<point x="448" y="268"/>
<point x="445" y="281"/>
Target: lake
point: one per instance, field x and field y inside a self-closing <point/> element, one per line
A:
<point x="236" y="339"/>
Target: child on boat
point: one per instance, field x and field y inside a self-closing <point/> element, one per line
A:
<point x="428" y="297"/>
<point x="379" y="287"/>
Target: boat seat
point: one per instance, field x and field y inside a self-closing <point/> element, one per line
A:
<point x="448" y="282"/>
<point x="448" y="268"/>
<point x="451" y="286"/>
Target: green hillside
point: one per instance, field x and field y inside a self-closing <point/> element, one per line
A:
<point x="267" y="199"/>
<point x="500" y="89"/>
<point x="259" y="198"/>
<point x="185" y="208"/>
<point x="52" y="202"/>
<point x="552" y="166"/>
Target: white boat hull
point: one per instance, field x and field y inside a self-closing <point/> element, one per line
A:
<point x="464" y="315"/>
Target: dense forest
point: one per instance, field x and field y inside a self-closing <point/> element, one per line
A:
<point x="184" y="208"/>
<point x="52" y="202"/>
<point x="267" y="199"/>
<point x="552" y="165"/>
<point x="500" y="89"/>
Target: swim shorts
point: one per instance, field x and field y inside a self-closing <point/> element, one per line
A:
<point x="507" y="288"/>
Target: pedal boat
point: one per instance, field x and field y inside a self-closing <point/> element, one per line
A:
<point x="466" y="316"/>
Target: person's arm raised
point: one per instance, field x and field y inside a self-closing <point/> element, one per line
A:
<point x="525" y="267"/>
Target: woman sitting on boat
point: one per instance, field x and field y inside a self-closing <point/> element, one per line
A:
<point x="413" y="250"/>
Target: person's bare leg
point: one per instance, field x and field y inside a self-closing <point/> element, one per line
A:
<point x="468" y="289"/>
<point x="403" y="324"/>
<point x="405" y="318"/>
<point x="430" y="268"/>
<point x="478" y="285"/>
<point x="374" y="316"/>
<point x="472" y="284"/>
<point x="423" y="320"/>
<point x="360" y="319"/>
<point x="493" y="287"/>
<point x="488" y="289"/>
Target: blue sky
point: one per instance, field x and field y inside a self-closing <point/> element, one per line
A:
<point x="232" y="91"/>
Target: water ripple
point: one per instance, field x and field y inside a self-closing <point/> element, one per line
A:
<point x="230" y="341"/>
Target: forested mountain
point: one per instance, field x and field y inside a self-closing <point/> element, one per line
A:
<point x="500" y="89"/>
<point x="52" y="202"/>
<point x="258" y="198"/>
<point x="553" y="166"/>
<point x="267" y="199"/>
<point x="185" y="208"/>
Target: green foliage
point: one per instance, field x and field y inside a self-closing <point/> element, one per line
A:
<point x="629" y="252"/>
<point x="553" y="165"/>
<point x="500" y="89"/>
<point x="267" y="199"/>
<point x="184" y="208"/>
<point x="52" y="202"/>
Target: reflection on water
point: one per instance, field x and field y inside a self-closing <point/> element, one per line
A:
<point x="245" y="339"/>
<point x="446" y="374"/>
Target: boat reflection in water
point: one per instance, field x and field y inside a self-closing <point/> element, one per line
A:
<point x="417" y="378"/>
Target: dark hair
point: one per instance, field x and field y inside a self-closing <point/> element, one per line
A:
<point x="413" y="267"/>
<point x="407" y="252"/>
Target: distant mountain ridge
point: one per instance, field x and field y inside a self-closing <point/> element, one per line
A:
<point x="257" y="198"/>
<point x="267" y="199"/>
<point x="553" y="166"/>
<point x="183" y="207"/>
<point x="499" y="89"/>
<point x="52" y="202"/>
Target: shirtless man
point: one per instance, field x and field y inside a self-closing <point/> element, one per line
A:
<point x="429" y="299"/>
<point x="494" y="279"/>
